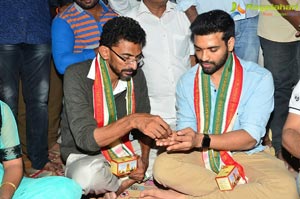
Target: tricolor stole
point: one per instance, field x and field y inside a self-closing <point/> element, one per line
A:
<point x="105" y="109"/>
<point x="225" y="111"/>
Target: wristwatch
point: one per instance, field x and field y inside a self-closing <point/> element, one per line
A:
<point x="205" y="141"/>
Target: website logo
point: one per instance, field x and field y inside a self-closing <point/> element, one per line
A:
<point x="237" y="9"/>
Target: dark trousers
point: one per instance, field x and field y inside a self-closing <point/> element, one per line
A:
<point x="283" y="60"/>
<point x="31" y="64"/>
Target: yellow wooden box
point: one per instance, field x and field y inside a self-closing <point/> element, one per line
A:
<point x="228" y="177"/>
<point x="123" y="165"/>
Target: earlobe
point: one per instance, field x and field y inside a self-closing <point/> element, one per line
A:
<point x="104" y="52"/>
<point x="230" y="43"/>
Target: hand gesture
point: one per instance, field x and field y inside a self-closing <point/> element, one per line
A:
<point x="152" y="125"/>
<point x="183" y="140"/>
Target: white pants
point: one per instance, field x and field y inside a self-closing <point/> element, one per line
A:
<point x="93" y="173"/>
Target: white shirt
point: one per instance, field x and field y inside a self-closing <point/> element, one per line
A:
<point x="167" y="55"/>
<point x="238" y="9"/>
<point x="122" y="6"/>
<point x="121" y="86"/>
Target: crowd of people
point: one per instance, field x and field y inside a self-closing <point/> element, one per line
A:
<point x="176" y="84"/>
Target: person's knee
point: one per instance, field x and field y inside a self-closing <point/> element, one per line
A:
<point x="93" y="177"/>
<point x="69" y="188"/>
<point x="289" y="190"/>
<point x="163" y="168"/>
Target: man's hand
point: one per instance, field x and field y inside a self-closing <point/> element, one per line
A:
<point x="292" y="16"/>
<point x="183" y="140"/>
<point x="151" y="125"/>
<point x="139" y="174"/>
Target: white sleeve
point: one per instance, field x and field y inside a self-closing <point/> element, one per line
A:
<point x="294" y="106"/>
<point x="121" y="7"/>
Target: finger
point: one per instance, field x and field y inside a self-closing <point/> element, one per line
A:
<point x="182" y="138"/>
<point x="178" y="147"/>
<point x="160" y="132"/>
<point x="150" y="134"/>
<point x="165" y="126"/>
<point x="185" y="131"/>
<point x="166" y="143"/>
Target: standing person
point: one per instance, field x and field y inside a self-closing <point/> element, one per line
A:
<point x="106" y="99"/>
<point x="76" y="32"/>
<point x="13" y="184"/>
<point x="25" y="53"/>
<point x="173" y="42"/>
<point x="245" y="18"/>
<point x="223" y="104"/>
<point x="278" y="32"/>
<point x="122" y="7"/>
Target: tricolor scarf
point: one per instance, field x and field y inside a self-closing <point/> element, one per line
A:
<point x="225" y="111"/>
<point x="105" y="108"/>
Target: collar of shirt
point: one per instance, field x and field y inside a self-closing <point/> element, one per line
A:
<point x="121" y="86"/>
<point x="144" y="9"/>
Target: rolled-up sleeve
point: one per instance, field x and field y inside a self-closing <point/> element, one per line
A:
<point x="183" y="5"/>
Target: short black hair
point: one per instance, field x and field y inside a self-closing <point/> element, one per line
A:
<point x="120" y="28"/>
<point x="212" y="22"/>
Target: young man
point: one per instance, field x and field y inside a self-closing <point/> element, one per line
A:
<point x="223" y="106"/>
<point x="106" y="99"/>
<point x="247" y="41"/>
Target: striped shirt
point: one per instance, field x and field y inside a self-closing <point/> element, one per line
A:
<point x="75" y="35"/>
<point x="85" y="28"/>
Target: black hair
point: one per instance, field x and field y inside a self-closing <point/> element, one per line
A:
<point x="212" y="22"/>
<point x="120" y="28"/>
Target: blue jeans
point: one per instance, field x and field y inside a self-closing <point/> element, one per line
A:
<point x="31" y="64"/>
<point x="283" y="60"/>
<point x="246" y="40"/>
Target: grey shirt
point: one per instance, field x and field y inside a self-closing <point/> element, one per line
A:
<point x="78" y="123"/>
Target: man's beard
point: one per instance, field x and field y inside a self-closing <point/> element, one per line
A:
<point x="126" y="77"/>
<point x="215" y="66"/>
<point x="121" y="74"/>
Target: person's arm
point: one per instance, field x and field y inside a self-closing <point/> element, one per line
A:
<point x="10" y="153"/>
<point x="252" y="120"/>
<point x="80" y="114"/>
<point x="292" y="16"/>
<point x="63" y="45"/>
<point x="150" y="125"/>
<point x="189" y="7"/>
<point x="13" y="173"/>
<point x="291" y="134"/>
<point x="191" y="13"/>
<point x="143" y="161"/>
<point x="121" y="7"/>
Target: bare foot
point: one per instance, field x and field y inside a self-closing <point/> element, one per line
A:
<point x="161" y="194"/>
<point x="110" y="195"/>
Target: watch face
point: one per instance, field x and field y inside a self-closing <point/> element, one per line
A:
<point x="206" y="141"/>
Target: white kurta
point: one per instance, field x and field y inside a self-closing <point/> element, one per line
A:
<point x="167" y="55"/>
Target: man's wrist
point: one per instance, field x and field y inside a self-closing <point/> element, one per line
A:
<point x="205" y="144"/>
